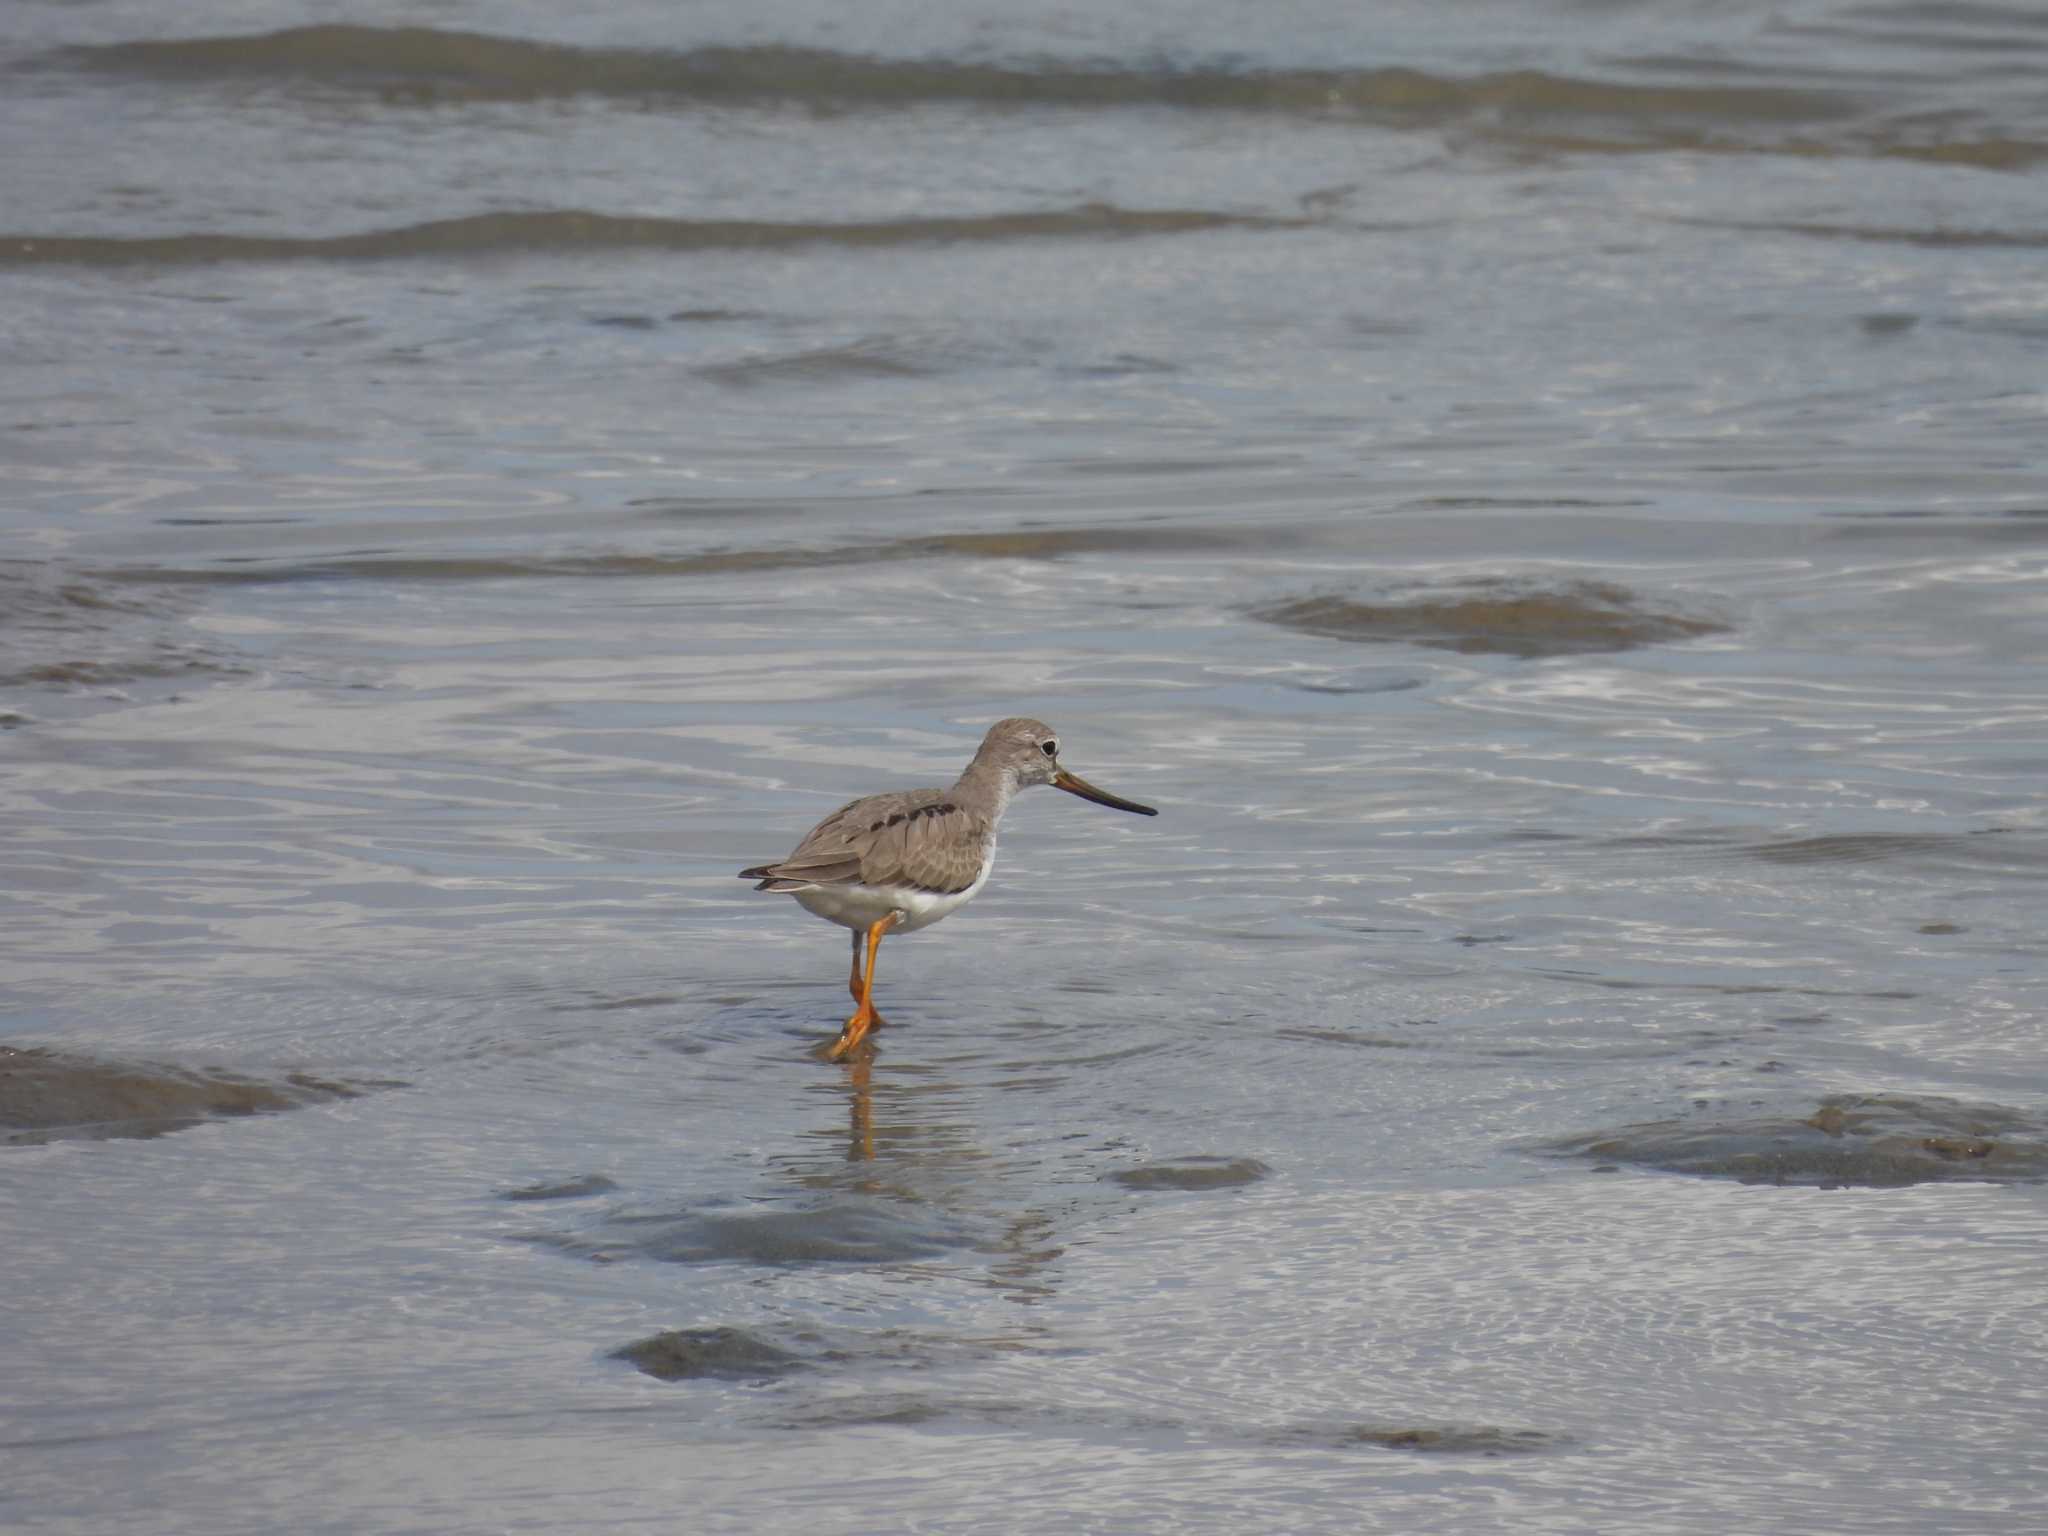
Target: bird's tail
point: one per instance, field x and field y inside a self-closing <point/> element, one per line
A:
<point x="770" y="881"/>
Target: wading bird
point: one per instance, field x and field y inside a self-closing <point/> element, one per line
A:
<point x="896" y="863"/>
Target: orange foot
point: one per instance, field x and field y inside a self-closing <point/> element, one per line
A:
<point x="864" y="1019"/>
<point x="862" y="985"/>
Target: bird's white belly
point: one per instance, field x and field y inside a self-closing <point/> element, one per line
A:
<point x="862" y="906"/>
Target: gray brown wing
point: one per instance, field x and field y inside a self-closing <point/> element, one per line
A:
<point x="839" y="849"/>
<point x="933" y="846"/>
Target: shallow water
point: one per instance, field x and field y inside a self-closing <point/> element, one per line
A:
<point x="1547" y="500"/>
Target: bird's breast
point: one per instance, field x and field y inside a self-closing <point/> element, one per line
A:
<point x="923" y="908"/>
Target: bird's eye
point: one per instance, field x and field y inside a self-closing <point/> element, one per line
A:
<point x="1049" y="748"/>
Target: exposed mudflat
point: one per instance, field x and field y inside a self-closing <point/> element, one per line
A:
<point x="1193" y="1173"/>
<point x="48" y="1095"/>
<point x="839" y="1229"/>
<point x="730" y="1353"/>
<point x="578" y="1188"/>
<point x="1499" y="616"/>
<point x="1878" y="1140"/>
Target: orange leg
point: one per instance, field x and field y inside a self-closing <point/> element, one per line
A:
<point x="853" y="978"/>
<point x="864" y="1017"/>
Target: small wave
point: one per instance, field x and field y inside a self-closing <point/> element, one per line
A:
<point x="1994" y="848"/>
<point x="1443" y="1439"/>
<point x="1529" y="110"/>
<point x="432" y="65"/>
<point x="112" y="673"/>
<point x="64" y="631"/>
<point x="559" y="230"/>
<point x="1096" y="1425"/>
<point x="38" y="596"/>
<point x="2002" y="848"/>
<point x="870" y="358"/>
<point x="1021" y="544"/>
<point x="1938" y="239"/>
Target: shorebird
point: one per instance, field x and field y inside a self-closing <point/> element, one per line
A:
<point x="896" y="863"/>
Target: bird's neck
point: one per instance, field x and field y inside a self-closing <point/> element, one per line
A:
<point x="984" y="790"/>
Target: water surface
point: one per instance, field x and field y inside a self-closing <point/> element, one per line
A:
<point x="1547" y="500"/>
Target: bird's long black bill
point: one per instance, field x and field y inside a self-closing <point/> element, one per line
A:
<point x="1079" y="786"/>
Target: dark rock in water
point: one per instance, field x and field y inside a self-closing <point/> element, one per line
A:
<point x="725" y="1353"/>
<point x="1879" y="1140"/>
<point x="50" y="1095"/>
<point x="1511" y="618"/>
<point x="1193" y="1173"/>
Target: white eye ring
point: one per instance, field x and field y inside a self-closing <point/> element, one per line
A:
<point x="1049" y="748"/>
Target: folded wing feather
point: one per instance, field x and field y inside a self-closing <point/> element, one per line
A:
<point x="919" y="839"/>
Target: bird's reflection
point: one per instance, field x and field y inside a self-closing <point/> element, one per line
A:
<point x="860" y="1083"/>
<point x="922" y="1162"/>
